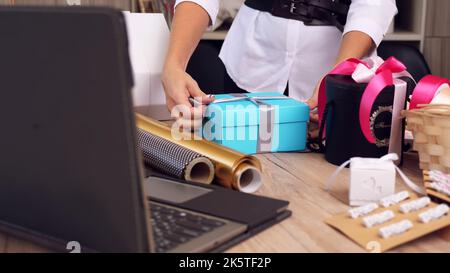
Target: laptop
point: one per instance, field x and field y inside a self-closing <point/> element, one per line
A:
<point x="71" y="172"/>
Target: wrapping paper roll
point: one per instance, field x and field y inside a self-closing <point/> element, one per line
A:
<point x="232" y="169"/>
<point x="174" y="160"/>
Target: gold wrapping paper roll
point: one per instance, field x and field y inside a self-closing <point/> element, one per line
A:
<point x="233" y="170"/>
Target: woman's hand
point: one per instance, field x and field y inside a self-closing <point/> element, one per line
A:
<point x="355" y="44"/>
<point x="313" y="130"/>
<point x="188" y="25"/>
<point x="178" y="88"/>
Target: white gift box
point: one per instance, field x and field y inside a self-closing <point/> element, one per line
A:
<point x="372" y="179"/>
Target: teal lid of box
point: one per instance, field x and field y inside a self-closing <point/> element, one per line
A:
<point x="245" y="112"/>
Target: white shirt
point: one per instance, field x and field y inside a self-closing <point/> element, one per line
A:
<point x="262" y="53"/>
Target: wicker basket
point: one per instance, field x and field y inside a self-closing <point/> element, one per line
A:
<point x="431" y="128"/>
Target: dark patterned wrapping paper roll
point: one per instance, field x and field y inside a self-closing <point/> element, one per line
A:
<point x="174" y="160"/>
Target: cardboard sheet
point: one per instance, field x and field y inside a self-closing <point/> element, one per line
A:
<point x="369" y="237"/>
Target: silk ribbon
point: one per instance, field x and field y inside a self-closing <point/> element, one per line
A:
<point x="426" y="90"/>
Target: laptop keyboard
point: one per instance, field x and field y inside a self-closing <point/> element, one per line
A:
<point x="173" y="227"/>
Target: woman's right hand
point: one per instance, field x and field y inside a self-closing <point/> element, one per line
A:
<point x="179" y="87"/>
<point x="189" y="23"/>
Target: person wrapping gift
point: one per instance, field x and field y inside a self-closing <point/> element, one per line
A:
<point x="274" y="45"/>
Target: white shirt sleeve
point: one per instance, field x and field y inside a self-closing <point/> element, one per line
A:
<point x="211" y="7"/>
<point x="372" y="17"/>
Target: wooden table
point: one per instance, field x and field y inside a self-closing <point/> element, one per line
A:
<point x="300" y="179"/>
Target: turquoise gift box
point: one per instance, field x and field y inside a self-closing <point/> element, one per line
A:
<point x="254" y="123"/>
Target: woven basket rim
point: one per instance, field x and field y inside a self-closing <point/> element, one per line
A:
<point x="426" y="110"/>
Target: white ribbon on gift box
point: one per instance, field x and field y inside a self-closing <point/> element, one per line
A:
<point x="389" y="157"/>
<point x="253" y="99"/>
<point x="364" y="74"/>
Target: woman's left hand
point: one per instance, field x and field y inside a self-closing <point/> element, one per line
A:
<point x="355" y="44"/>
<point x="313" y="130"/>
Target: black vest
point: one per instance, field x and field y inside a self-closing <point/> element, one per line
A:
<point x="310" y="12"/>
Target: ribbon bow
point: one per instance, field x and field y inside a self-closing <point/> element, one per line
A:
<point x="386" y="74"/>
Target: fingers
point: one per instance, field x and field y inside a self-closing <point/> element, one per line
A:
<point x="179" y="88"/>
<point x="198" y="94"/>
<point x="314" y="117"/>
<point x="189" y="118"/>
<point x="190" y="125"/>
<point x="312" y="103"/>
<point x="192" y="118"/>
<point x="313" y="133"/>
<point x="313" y="130"/>
<point x="194" y="89"/>
<point x="170" y="104"/>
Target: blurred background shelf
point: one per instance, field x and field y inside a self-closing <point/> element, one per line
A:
<point x="396" y="36"/>
<point x="408" y="26"/>
<point x="215" y="35"/>
<point x="404" y="36"/>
